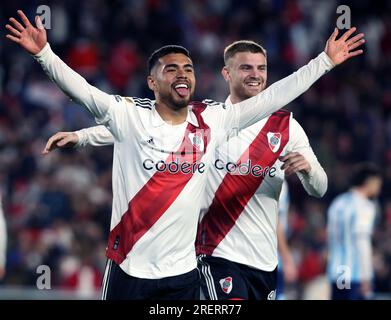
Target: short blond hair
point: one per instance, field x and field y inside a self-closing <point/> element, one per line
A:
<point x="242" y="46"/>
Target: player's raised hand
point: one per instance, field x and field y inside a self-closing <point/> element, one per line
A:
<point x="344" y="48"/>
<point x="31" y="38"/>
<point x="61" y="140"/>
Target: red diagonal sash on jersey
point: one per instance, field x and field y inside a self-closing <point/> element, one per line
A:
<point x="156" y="196"/>
<point x="235" y="191"/>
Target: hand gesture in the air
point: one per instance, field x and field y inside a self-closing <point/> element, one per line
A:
<point x="31" y="38"/>
<point x="61" y="140"/>
<point x="344" y="48"/>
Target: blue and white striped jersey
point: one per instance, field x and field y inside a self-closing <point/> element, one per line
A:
<point x="349" y="230"/>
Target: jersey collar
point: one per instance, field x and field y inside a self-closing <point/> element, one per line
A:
<point x="228" y="101"/>
<point x="157" y="121"/>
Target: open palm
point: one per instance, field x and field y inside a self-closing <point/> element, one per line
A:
<point x="31" y="38"/>
<point x="343" y="49"/>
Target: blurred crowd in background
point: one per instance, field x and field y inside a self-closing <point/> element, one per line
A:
<point x="58" y="206"/>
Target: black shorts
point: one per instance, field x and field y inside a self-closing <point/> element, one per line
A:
<point x="222" y="279"/>
<point x="118" y="285"/>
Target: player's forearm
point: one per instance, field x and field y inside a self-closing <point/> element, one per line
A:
<point x="283" y="92"/>
<point x="72" y="84"/>
<point x="95" y="136"/>
<point x="314" y="182"/>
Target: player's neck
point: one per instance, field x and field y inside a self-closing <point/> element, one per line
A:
<point x="361" y="191"/>
<point x="170" y="115"/>
<point x="234" y="99"/>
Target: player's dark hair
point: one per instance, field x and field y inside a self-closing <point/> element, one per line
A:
<point x="163" y="51"/>
<point x="362" y="172"/>
<point x="242" y="46"/>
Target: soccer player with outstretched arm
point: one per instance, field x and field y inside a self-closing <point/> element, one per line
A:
<point x="162" y="149"/>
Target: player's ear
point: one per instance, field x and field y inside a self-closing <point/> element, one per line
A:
<point x="225" y="73"/>
<point x="151" y="82"/>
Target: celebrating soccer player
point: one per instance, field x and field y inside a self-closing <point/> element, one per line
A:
<point x="161" y="151"/>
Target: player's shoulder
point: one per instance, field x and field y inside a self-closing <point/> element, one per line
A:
<point x="206" y="104"/>
<point x="283" y="113"/>
<point x="213" y="103"/>
<point x="342" y="200"/>
<point x="198" y="107"/>
<point x="213" y="108"/>
<point x="144" y="103"/>
<point x="362" y="201"/>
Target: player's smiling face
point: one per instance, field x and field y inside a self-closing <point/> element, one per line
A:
<point x="246" y="74"/>
<point x="173" y="80"/>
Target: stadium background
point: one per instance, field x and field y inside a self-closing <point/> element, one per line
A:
<point x="58" y="207"/>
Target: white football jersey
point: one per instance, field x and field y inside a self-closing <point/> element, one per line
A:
<point x="240" y="210"/>
<point x="159" y="169"/>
